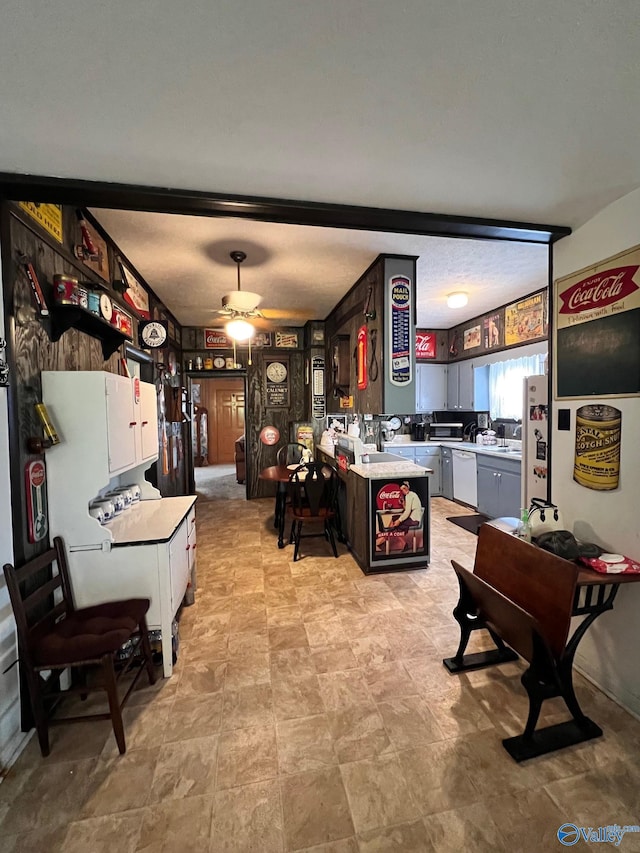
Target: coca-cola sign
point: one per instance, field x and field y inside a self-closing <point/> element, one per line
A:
<point x="215" y="339"/>
<point x="425" y="345"/>
<point x="599" y="290"/>
<point x="389" y="496"/>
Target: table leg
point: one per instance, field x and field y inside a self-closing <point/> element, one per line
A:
<point x="282" y="513"/>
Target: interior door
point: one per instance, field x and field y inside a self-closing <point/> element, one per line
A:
<point x="224" y="399"/>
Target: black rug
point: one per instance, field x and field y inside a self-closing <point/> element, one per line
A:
<point x="469" y="522"/>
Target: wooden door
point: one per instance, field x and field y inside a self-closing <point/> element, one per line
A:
<point x="224" y="398"/>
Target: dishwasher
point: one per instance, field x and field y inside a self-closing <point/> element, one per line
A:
<point x="465" y="479"/>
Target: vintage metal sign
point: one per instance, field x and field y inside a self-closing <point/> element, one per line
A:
<point x="597" y="317"/>
<point x="425" y="345"/>
<point x="49" y="216"/>
<point x="399" y="329"/>
<point x="318" y="406"/>
<point x="36" y="491"/>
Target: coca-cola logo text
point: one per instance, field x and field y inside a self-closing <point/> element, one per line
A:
<point x="392" y="495"/>
<point x="425" y="345"/>
<point x="599" y="290"/>
<point x="215" y="339"/>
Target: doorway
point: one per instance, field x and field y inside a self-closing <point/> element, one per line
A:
<point x="218" y="423"/>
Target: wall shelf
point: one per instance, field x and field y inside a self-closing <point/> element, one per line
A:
<point x="65" y="317"/>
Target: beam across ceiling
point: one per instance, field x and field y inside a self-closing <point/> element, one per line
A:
<point x="81" y="193"/>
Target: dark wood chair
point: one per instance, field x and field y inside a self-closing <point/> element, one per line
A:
<point x="313" y="493"/>
<point x="290" y="454"/>
<point x="54" y="636"/>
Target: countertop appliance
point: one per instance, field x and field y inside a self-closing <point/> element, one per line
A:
<point x="446" y="431"/>
<point x="465" y="478"/>
<point x="419" y="432"/>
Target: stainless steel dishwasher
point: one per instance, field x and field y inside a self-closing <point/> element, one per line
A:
<point x="465" y="478"/>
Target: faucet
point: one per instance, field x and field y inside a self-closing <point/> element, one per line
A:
<point x="517" y="432"/>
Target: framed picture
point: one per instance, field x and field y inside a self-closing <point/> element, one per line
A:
<point x="525" y="320"/>
<point x="425" y="345"/>
<point x="287" y="340"/>
<point x="317" y="337"/>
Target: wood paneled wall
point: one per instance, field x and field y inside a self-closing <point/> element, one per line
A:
<point x="33" y="351"/>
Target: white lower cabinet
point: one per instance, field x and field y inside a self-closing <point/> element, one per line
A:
<point x="159" y="571"/>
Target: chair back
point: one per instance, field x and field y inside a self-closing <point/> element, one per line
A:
<point x="32" y="589"/>
<point x="290" y="454"/>
<point x="313" y="490"/>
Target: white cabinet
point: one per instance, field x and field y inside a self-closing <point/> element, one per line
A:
<point x="460" y="388"/>
<point x="108" y="426"/>
<point x="431" y="387"/>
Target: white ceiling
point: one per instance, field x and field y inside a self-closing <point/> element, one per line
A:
<point x="302" y="272"/>
<point x="501" y="108"/>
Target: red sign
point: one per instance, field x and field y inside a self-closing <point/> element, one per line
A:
<point x="425" y="345"/>
<point x="269" y="435"/>
<point x="136" y="390"/>
<point x="35" y="478"/>
<point x="599" y="290"/>
<point x="389" y="497"/>
<point x="215" y="339"/>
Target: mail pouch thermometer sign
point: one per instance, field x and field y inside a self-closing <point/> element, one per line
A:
<point x="400" y="329"/>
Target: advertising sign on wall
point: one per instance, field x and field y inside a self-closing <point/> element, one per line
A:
<point x="525" y="320"/>
<point x="49" y="216"/>
<point x="425" y="345"/>
<point x="472" y="337"/>
<point x="136" y="296"/>
<point x="597" y="460"/>
<point x="399" y="330"/>
<point x="492" y="331"/>
<point x="597" y="317"/>
<point x="215" y="339"/>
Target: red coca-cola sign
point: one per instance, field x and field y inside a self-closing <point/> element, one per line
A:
<point x="599" y="290"/>
<point x="269" y="435"/>
<point x="425" y="345"/>
<point x="215" y="339"/>
<point x="389" y="497"/>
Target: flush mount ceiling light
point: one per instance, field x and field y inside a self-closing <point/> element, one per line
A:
<point x="458" y="299"/>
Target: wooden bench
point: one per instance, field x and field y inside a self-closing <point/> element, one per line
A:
<point x="525" y="597"/>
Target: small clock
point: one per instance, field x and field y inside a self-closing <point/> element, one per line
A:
<point x="152" y="334"/>
<point x="219" y="361"/>
<point x="106" y="307"/>
<point x="276" y="371"/>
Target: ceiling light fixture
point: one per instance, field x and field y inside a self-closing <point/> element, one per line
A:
<point x="458" y="299"/>
<point x="239" y="330"/>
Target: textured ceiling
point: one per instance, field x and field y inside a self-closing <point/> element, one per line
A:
<point x="302" y="272"/>
<point x="501" y="108"/>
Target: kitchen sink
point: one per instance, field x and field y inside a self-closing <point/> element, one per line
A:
<point x="385" y="457"/>
<point x="504" y="449"/>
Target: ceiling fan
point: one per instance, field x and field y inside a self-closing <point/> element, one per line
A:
<point x="242" y="305"/>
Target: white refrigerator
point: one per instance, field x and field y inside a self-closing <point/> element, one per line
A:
<point x="535" y="439"/>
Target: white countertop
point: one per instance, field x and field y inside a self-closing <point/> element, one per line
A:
<point x="380" y="470"/>
<point x="488" y="449"/>
<point x="150" y="521"/>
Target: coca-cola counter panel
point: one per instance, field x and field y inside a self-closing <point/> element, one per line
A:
<point x="398" y="523"/>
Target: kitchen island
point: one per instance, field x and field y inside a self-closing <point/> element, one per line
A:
<point x="386" y="515"/>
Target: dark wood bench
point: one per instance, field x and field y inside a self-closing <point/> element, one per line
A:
<point x="525" y="597"/>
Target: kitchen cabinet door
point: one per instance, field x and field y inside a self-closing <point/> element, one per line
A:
<point x="499" y="487"/>
<point x="148" y="447"/>
<point x="431" y="387"/>
<point x="487" y="489"/>
<point x="465" y="385"/>
<point x="430" y="458"/>
<point x="453" y="373"/>
<point x="121" y="423"/>
<point x="509" y="494"/>
<point x="179" y="565"/>
<point x="446" y="484"/>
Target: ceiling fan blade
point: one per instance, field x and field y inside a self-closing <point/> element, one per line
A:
<point x="289" y="313"/>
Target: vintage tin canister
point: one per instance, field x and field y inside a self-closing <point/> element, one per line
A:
<point x="93" y="299"/>
<point x="65" y="289"/>
<point x="597" y="460"/>
<point x="83" y="296"/>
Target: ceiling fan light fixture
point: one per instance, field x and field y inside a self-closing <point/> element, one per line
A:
<point x="457" y="299"/>
<point x="239" y="330"/>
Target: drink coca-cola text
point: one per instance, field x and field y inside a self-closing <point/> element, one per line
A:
<point x="599" y="290"/>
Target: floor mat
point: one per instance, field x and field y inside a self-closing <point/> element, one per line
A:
<point x="469" y="522"/>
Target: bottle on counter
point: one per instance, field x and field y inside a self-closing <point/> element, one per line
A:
<point x="523" y="530"/>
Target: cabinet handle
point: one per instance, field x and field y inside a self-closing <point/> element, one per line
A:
<point x="132" y="423"/>
<point x="193" y="521"/>
<point x="144" y="423"/>
<point x="193" y="547"/>
<point x="187" y="548"/>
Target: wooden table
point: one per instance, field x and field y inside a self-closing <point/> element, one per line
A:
<point x="278" y="474"/>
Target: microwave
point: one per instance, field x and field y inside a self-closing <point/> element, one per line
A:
<point x="445" y="432"/>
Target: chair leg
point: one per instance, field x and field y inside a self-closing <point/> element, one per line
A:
<point x="146" y="649"/>
<point x="39" y="711"/>
<point x="297" y="540"/>
<point x="292" y="533"/>
<point x="114" y="703"/>
<point x="329" y="529"/>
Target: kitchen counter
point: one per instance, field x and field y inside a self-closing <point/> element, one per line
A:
<point x="149" y="522"/>
<point x="511" y="452"/>
<point x="380" y="470"/>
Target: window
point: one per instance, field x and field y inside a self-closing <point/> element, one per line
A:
<point x="505" y="384"/>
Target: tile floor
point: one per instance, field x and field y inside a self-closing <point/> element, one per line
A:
<point x="310" y="710"/>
